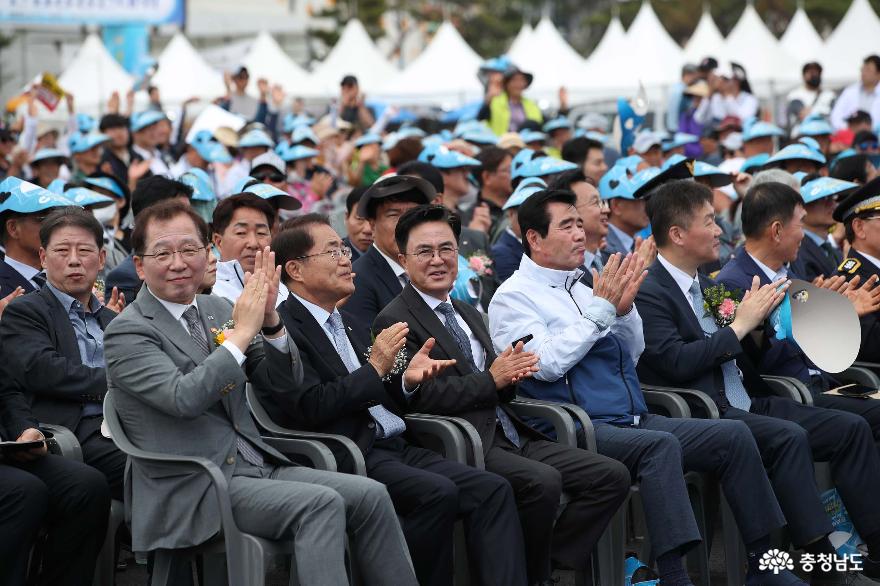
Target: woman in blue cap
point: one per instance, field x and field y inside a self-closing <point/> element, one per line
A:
<point x="505" y="108"/>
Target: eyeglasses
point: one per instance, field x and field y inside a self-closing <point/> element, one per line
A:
<point x="163" y="257"/>
<point x="273" y="177"/>
<point x="335" y="254"/>
<point x="427" y="254"/>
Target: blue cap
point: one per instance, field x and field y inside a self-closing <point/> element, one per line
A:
<point x="410" y="132"/>
<point x="646" y="180"/>
<point x="496" y="64"/>
<point x="615" y="184"/>
<point x="85" y="197"/>
<point x="46" y="154"/>
<point x="285" y="200"/>
<point x="810" y="142"/>
<point x="430" y="151"/>
<point x="814" y="126"/>
<point x="529" y="135"/>
<point x="447" y="159"/>
<point x="433" y="139"/>
<point x="463" y="126"/>
<point x="680" y="139"/>
<point x="369" y="138"/>
<point x="256" y="138"/>
<point x="754" y="162"/>
<point x="80" y="143"/>
<point x="24" y="197"/>
<point x="715" y="176"/>
<point x="799" y="175"/>
<point x="297" y="152"/>
<point x="281" y="147"/>
<point x="543" y="166"/>
<point x="520" y="159"/>
<point x="141" y="120"/>
<point x="754" y="128"/>
<point x="107" y="184"/>
<point x="526" y="188"/>
<point x="826" y="187"/>
<point x="630" y="163"/>
<point x="57" y="186"/>
<point x="558" y="123"/>
<point x="641" y="179"/>
<point x="673" y="160"/>
<point x="303" y="133"/>
<point x="209" y="149"/>
<point x="85" y="123"/>
<point x="480" y="136"/>
<point x="796" y="152"/>
<point x="200" y="183"/>
<point x="597" y="136"/>
<point x="292" y="121"/>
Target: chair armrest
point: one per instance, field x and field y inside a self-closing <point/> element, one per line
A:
<point x="672" y="404"/>
<point x="789" y="388"/>
<point x="699" y="403"/>
<point x="66" y="443"/>
<point x="448" y="432"/>
<point x="861" y="375"/>
<point x="580" y="416"/>
<point x="319" y="454"/>
<point x="561" y="419"/>
<point x="872" y="366"/>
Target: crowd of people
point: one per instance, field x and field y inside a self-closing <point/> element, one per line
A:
<point x="354" y="271"/>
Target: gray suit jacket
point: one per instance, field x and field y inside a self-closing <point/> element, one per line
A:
<point x="173" y="400"/>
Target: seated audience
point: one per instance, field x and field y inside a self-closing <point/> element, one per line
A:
<point x="360" y="233"/>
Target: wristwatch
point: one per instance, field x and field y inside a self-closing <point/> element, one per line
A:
<point x="269" y="331"/>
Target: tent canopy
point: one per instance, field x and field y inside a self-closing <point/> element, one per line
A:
<point x="93" y="76"/>
<point x="854" y="39"/>
<point x="521" y="41"/>
<point x="183" y="74"/>
<point x="353" y="54"/>
<point x="754" y="47"/>
<point x="445" y="73"/>
<point x="705" y="42"/>
<point x="801" y="40"/>
<point x="266" y="59"/>
<point x="611" y="46"/>
<point x="550" y="58"/>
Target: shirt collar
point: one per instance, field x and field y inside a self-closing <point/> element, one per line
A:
<point x="771" y="274"/>
<point x="230" y="270"/>
<point x="818" y="240"/>
<point x="398" y="270"/>
<point x="552" y="277"/>
<point x="320" y="314"/>
<point x="432" y="301"/>
<point x="176" y="309"/>
<point x="69" y="302"/>
<point x="26" y="271"/>
<point x="588" y="258"/>
<point x="624" y="238"/>
<point x="512" y="233"/>
<point x="681" y="278"/>
<point x="873" y="259"/>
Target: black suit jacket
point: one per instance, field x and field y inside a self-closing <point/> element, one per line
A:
<point x="41" y="357"/>
<point x="15" y="414"/>
<point x="330" y="399"/>
<point x="355" y="253"/>
<point x="10" y="279"/>
<point x="125" y="278"/>
<point x="677" y="351"/>
<point x="458" y="390"/>
<point x="375" y="285"/>
<point x="870" y="348"/>
<point x="812" y="261"/>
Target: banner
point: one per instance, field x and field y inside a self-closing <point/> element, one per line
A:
<point x="130" y="46"/>
<point x="49" y="92"/>
<point x="93" y="11"/>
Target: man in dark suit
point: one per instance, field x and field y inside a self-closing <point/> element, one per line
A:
<point x="859" y="213"/>
<point x="379" y="278"/>
<point x="508" y="249"/>
<point x="686" y="347"/>
<point x="53" y="339"/>
<point x="67" y="498"/>
<point x="149" y="191"/>
<point x="772" y="214"/>
<point x="817" y="257"/>
<point x="363" y="394"/>
<point x="360" y="233"/>
<point x="477" y="389"/>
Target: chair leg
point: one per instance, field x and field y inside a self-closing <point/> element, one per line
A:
<point x="105" y="570"/>
<point x="171" y="568"/>
<point x="247" y="566"/>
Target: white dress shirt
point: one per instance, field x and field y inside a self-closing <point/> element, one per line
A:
<point x="399" y="271"/>
<point x="818" y="101"/>
<point x="321" y="316"/>
<point x="774" y="276"/>
<point x="853" y="98"/>
<point x="477" y="350"/>
<point x="743" y="105"/>
<point x="25" y="270"/>
<point x="681" y="278"/>
<point x="563" y="316"/>
<point x="157" y="163"/>
<point x="230" y="282"/>
<point x="627" y="240"/>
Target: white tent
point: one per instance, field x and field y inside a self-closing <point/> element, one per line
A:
<point x="445" y="73"/>
<point x="801" y="40"/>
<point x="521" y="41"/>
<point x="93" y="75"/>
<point x="706" y="41"/>
<point x="550" y="58"/>
<point x="354" y="54"/>
<point x="854" y="39"/>
<point x="752" y="45"/>
<point x="183" y="74"/>
<point x="611" y="46"/>
<point x="266" y="59"/>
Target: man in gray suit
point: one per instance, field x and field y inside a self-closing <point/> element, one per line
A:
<point x="177" y="367"/>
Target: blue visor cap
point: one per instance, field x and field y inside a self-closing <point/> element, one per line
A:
<point x="256" y="138"/>
<point x="630" y="163"/>
<point x="85" y="123"/>
<point x="48" y="154"/>
<point x="673" y="160"/>
<point x="826" y="187"/>
<point x="529" y="136"/>
<point x="480" y="136"/>
<point x="814" y="126"/>
<point x="680" y="139"/>
<point x="284" y="200"/>
<point x="212" y="151"/>
<point x="558" y="123"/>
<point x="369" y="138"/>
<point x="760" y="129"/>
<point x="430" y="151"/>
<point x="303" y="133"/>
<point x="85" y="197"/>
<point x="715" y="176"/>
<point x="17" y="195"/>
<point x="810" y="142"/>
<point x="797" y="152"/>
<point x="646" y="180"/>
<point x="200" y="183"/>
<point x="80" y="143"/>
<point x="466" y="126"/>
<point x="497" y="64"/>
<point x="615" y="183"/>
<point x="141" y="120"/>
<point x="754" y="163"/>
<point x="291" y="122"/>
<point x="297" y="152"/>
<point x="107" y="184"/>
<point x="523" y="191"/>
<point x="520" y="159"/>
<point x="544" y="166"/>
<point x="447" y="159"/>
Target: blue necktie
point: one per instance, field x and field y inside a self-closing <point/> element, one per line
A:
<point x="389" y="424"/>
<point x="733" y="385"/>
<point x="464" y="344"/>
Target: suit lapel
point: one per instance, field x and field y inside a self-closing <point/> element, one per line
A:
<point x="14" y="279"/>
<point x="665" y="280"/>
<point x="436" y="328"/>
<point x="384" y="273"/>
<point x="172" y="328"/>
<point x="751" y="268"/>
<point x="475" y="322"/>
<point x="358" y="336"/>
<point x="63" y="328"/>
<point x="316" y="335"/>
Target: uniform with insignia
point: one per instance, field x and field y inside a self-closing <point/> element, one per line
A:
<point x="857" y="264"/>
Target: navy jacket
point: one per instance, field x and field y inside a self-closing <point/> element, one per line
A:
<point x="870" y="349"/>
<point x="812" y="261"/>
<point x="41" y="357"/>
<point x="355" y="253"/>
<point x="677" y="351"/>
<point x="375" y="285"/>
<point x="10" y="279"/>
<point x="125" y="278"/>
<point x="506" y="254"/>
<point x="15" y="415"/>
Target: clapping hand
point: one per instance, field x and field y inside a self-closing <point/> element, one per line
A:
<point x="117" y="301"/>
<point x="249" y="311"/>
<point x="422" y="367"/>
<point x="512" y="365"/>
<point x="386" y="346"/>
<point x="647" y="249"/>
<point x="19" y="291"/>
<point x="620" y="281"/>
<point x="757" y="304"/>
<point x="865" y="299"/>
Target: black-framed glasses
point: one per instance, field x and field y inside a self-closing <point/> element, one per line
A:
<point x="163" y="257"/>
<point x="334" y="254"/>
<point x="426" y="255"/>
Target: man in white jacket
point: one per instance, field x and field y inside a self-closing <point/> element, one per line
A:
<point x="863" y="95"/>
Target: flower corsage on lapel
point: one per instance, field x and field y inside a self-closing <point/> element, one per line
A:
<point x="219" y="334"/>
<point x="721" y="304"/>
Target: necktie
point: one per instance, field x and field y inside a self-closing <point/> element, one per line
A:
<point x="831" y="252"/>
<point x="197" y="333"/>
<point x="389" y="424"/>
<point x="464" y="344"/>
<point x="733" y="386"/>
<point x="404" y="279"/>
<point x="39" y="279"/>
<point x="597" y="264"/>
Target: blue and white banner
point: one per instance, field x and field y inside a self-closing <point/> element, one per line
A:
<point x="93" y="11"/>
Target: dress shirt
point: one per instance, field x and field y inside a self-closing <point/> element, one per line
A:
<point x="774" y="276"/>
<point x="230" y="282"/>
<point x="512" y="233"/>
<point x="399" y="271"/>
<point x="853" y="98"/>
<point x="681" y="278"/>
<point x="563" y="316"/>
<point x="593" y="260"/>
<point x="157" y="163"/>
<point x="477" y="350"/>
<point x="743" y="105"/>
<point x="177" y="310"/>
<point x="625" y="239"/>
<point x="815" y="237"/>
<point x="26" y="271"/>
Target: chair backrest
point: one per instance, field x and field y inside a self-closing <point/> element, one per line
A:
<point x="259" y="412"/>
<point x="111" y="417"/>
